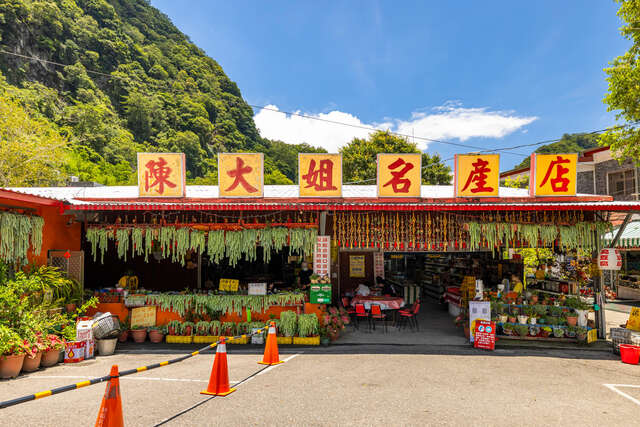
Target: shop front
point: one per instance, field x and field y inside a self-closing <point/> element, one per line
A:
<point x="223" y="259"/>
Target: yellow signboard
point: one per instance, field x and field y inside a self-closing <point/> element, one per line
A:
<point x="240" y="174"/>
<point x="476" y="175"/>
<point x="356" y="266"/>
<point x="143" y="316"/>
<point x="230" y="285"/>
<point x="634" y="319"/>
<point x="553" y="174"/>
<point x="320" y="175"/>
<point x="161" y="175"/>
<point x="399" y="175"/>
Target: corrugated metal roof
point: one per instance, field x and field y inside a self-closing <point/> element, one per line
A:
<point x="630" y="235"/>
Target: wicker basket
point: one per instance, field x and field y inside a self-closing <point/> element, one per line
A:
<point x="106" y="326"/>
<point x="623" y="336"/>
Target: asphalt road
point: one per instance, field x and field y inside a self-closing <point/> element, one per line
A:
<point x="349" y="386"/>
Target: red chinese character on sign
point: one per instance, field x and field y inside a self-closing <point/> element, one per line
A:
<point x="238" y="173"/>
<point x="159" y="172"/>
<point x="479" y="176"/>
<point x="558" y="183"/>
<point x="320" y="179"/>
<point x="398" y="183"/>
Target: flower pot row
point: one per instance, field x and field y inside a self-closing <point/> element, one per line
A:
<point x="12" y="365"/>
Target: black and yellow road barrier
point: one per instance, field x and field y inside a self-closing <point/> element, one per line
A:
<point x="98" y="380"/>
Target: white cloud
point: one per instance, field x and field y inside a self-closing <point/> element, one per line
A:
<point x="450" y="121"/>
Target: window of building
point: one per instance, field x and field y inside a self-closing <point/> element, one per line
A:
<point x="622" y="183"/>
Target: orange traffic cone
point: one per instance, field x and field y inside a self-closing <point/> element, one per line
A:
<point x="271" y="356"/>
<point x="219" y="380"/>
<point x="110" y="414"/>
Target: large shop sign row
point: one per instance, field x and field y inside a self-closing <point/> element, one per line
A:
<point x="320" y="175"/>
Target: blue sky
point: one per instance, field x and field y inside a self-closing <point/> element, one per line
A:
<point x="483" y="74"/>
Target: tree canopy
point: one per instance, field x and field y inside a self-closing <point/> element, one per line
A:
<point x="569" y="143"/>
<point x="359" y="159"/>
<point x="622" y="97"/>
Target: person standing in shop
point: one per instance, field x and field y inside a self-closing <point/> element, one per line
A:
<point x="516" y="284"/>
<point x="304" y="277"/>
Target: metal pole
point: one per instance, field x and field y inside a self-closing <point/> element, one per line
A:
<point x="601" y="322"/>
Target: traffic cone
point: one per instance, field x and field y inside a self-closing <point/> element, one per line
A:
<point x="271" y="356"/>
<point x="219" y="380"/>
<point x="110" y="414"/>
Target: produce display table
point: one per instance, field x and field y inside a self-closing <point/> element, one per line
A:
<point x="385" y="303"/>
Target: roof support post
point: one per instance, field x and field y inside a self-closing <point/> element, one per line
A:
<point x="616" y="238"/>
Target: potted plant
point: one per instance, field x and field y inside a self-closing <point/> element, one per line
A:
<point x="522" y="319"/>
<point x="545" y="331"/>
<point x="571" y="318"/>
<point x="307" y="330"/>
<point x="288" y="325"/>
<point x="156" y="334"/>
<point x="534" y="330"/>
<point x="507" y="329"/>
<point x="530" y="312"/>
<point x="533" y="299"/>
<point x="522" y="330"/>
<point x="187" y="329"/>
<point x="581" y="333"/>
<point x="12" y="352"/>
<point x="34" y="356"/>
<point x="513" y="315"/>
<point x="558" y="332"/>
<point x="571" y="331"/>
<point x="51" y="354"/>
<point x="124" y="335"/>
<point x="139" y="333"/>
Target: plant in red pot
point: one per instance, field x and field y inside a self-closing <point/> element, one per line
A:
<point x="51" y="353"/>
<point x="156" y="334"/>
<point x="34" y="356"/>
<point x="124" y="335"/>
<point x="139" y="333"/>
<point x="12" y="352"/>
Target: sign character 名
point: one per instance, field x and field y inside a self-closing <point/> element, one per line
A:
<point x="478" y="176"/>
<point x="157" y="174"/>
<point x="321" y="179"/>
<point x="398" y="182"/>
<point x="558" y="183"/>
<point x="238" y="175"/>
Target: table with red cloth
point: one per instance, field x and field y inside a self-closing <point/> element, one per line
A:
<point x="385" y="303"/>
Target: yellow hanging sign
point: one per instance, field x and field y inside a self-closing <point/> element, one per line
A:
<point x="240" y="174"/>
<point x="356" y="266"/>
<point x="476" y="175"/>
<point x="399" y="175"/>
<point x="161" y="175"/>
<point x="553" y="174"/>
<point x="320" y="175"/>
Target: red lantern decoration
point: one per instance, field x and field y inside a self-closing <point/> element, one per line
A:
<point x="67" y="254"/>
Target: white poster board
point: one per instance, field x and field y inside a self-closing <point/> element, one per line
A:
<point x="322" y="256"/>
<point x="478" y="310"/>
<point x="257" y="289"/>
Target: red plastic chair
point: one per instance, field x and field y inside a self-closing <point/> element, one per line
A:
<point x="376" y="314"/>
<point x="361" y="312"/>
<point x="346" y="304"/>
<point x="410" y="317"/>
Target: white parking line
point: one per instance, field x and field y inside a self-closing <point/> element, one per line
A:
<point x="614" y="387"/>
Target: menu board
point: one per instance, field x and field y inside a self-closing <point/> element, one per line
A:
<point x="230" y="285"/>
<point x="322" y="256"/>
<point x="485" y="335"/>
<point x="143" y="316"/>
<point x="320" y="293"/>
<point x="356" y="266"/>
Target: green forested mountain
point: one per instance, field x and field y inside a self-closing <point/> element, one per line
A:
<point x="132" y="82"/>
<point x="569" y="143"/>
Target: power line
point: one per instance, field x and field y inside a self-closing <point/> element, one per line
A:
<point x="482" y="149"/>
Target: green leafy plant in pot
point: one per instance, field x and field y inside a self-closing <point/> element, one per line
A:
<point x="12" y="352"/>
<point x="139" y="333"/>
<point x="288" y="323"/>
<point x="156" y="334"/>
